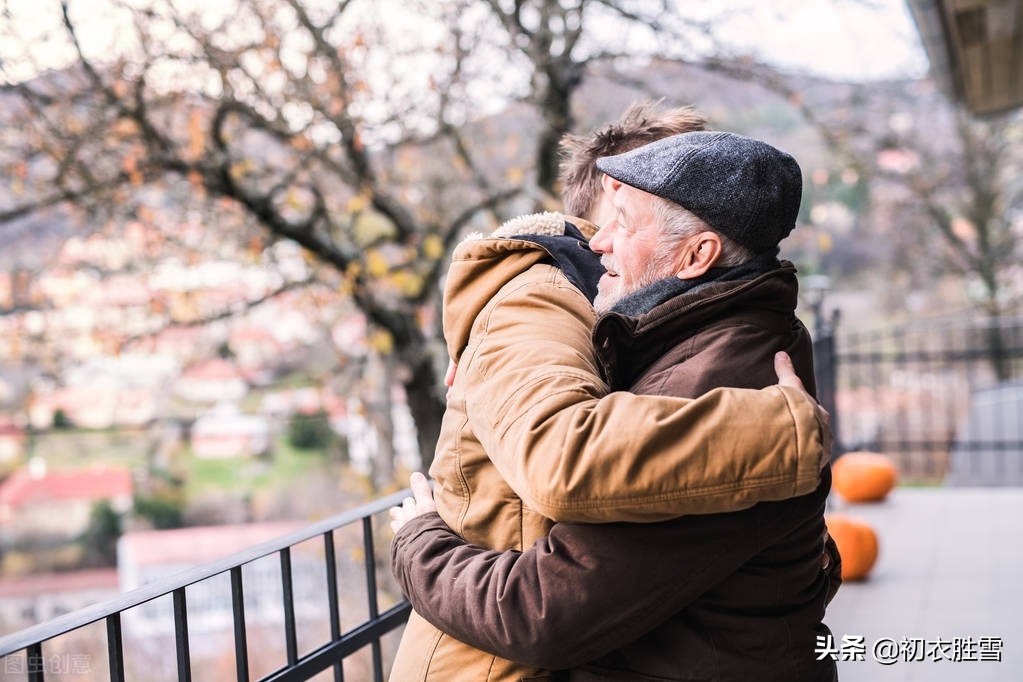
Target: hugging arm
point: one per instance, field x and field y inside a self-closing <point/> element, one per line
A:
<point x="573" y="452"/>
<point x="584" y="590"/>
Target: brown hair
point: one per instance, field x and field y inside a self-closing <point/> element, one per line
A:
<point x="642" y="122"/>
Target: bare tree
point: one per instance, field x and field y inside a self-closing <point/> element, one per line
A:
<point x="359" y="129"/>
<point x="280" y="114"/>
<point x="328" y="124"/>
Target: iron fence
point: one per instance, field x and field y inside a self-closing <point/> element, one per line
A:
<point x="26" y="653"/>
<point x="945" y="399"/>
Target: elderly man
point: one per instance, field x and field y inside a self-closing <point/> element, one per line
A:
<point x="693" y="298"/>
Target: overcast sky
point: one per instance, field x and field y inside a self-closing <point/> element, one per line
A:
<point x="844" y="39"/>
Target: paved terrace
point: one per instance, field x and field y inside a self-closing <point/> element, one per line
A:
<point x="949" y="569"/>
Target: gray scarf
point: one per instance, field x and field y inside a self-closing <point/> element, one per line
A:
<point x="649" y="297"/>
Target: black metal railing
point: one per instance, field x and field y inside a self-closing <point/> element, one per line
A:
<point x="25" y="652"/>
<point x="943" y="397"/>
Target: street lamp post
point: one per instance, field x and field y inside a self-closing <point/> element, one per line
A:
<point x="825" y="359"/>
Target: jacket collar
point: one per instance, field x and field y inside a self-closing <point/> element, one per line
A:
<point x="481" y="265"/>
<point x="628" y="344"/>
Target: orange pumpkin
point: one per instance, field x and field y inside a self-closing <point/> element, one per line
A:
<point x="857" y="544"/>
<point x="863" y="476"/>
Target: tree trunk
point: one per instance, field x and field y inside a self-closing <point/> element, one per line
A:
<point x="382" y="418"/>
<point x="426" y="405"/>
<point x="996" y="345"/>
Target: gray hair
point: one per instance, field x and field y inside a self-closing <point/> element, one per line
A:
<point x="677" y="224"/>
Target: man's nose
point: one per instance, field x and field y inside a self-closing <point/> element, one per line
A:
<point x="599" y="240"/>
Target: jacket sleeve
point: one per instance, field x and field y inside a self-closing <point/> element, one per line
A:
<point x="581" y="592"/>
<point x="573" y="452"/>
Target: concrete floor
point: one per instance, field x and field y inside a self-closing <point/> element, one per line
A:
<point x="950" y="573"/>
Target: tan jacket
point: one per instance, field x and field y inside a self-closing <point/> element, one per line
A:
<point x="531" y="435"/>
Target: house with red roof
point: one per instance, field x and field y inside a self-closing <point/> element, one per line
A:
<point x="213" y="381"/>
<point x="35" y="502"/>
<point x="32" y="599"/>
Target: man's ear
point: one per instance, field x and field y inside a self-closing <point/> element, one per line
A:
<point x="609" y="184"/>
<point x="699" y="255"/>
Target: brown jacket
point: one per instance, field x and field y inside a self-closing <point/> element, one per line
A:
<point x="531" y="434"/>
<point x="726" y="597"/>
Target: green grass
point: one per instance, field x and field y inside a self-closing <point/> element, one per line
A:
<point x="252" y="474"/>
<point x="75" y="448"/>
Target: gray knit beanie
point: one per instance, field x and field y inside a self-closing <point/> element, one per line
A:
<point x="743" y="188"/>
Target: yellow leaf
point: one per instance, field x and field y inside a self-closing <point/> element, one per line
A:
<point x="433" y="247"/>
<point x="376" y="264"/>
<point x="371" y="226"/>
<point x="294" y="201"/>
<point x="125" y="127"/>
<point x="381" y="341"/>
<point x="407" y="282"/>
<point x="357" y="203"/>
<point x="241" y="167"/>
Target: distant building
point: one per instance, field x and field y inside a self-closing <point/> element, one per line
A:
<point x="226" y="432"/>
<point x="214" y="381"/>
<point x="94" y="407"/>
<point x="257" y="352"/>
<point x="62" y="287"/>
<point x="354" y="423"/>
<point x="35" y="502"/>
<point x="12" y="443"/>
<point x="147" y="556"/>
<point x="41" y="597"/>
<point x="187" y="345"/>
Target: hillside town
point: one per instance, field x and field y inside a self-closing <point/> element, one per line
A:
<point x="113" y="401"/>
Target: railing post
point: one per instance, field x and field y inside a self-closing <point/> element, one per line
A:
<point x="115" y="648"/>
<point x="35" y="662"/>
<point x="241" y="641"/>
<point x="371" y="589"/>
<point x="333" y="598"/>
<point x="181" y="636"/>
<point x="290" y="628"/>
<point x="825" y="361"/>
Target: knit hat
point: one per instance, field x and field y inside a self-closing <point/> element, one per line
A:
<point x="743" y="188"/>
